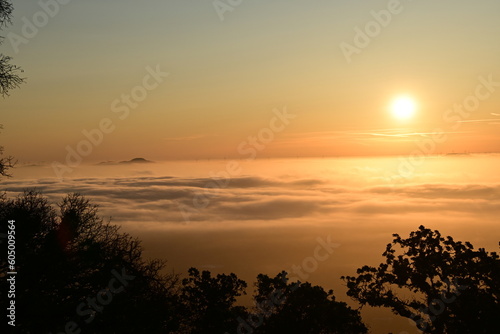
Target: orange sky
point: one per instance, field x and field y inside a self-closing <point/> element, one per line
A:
<point x="115" y="80"/>
<point x="336" y="66"/>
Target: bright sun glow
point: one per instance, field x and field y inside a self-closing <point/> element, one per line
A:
<point x="403" y="107"/>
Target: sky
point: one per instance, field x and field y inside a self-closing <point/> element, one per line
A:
<point x="223" y="91"/>
<point x="199" y="79"/>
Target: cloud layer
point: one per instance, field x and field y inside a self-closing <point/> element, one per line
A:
<point x="162" y="199"/>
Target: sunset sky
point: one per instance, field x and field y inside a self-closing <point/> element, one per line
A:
<point x="374" y="92"/>
<point x="229" y="69"/>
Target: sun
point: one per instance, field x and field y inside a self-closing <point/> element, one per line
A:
<point x="403" y="107"/>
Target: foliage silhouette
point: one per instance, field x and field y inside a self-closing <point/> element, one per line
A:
<point x="455" y="288"/>
<point x="6" y="163"/>
<point x="208" y="302"/>
<point x="9" y="78"/>
<point x="64" y="259"/>
<point x="302" y="308"/>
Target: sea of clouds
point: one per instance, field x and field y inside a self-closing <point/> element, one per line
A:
<point x="270" y="216"/>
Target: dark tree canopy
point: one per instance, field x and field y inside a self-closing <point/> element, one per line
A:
<point x="9" y="73"/>
<point x="302" y="308"/>
<point x="64" y="259"/>
<point x="208" y="303"/>
<point x="445" y="286"/>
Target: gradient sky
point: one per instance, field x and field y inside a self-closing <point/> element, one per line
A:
<point x="226" y="77"/>
<point x="227" y="80"/>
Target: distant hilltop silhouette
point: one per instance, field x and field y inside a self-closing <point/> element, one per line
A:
<point x="136" y="161"/>
<point x="454" y="153"/>
<point x="132" y="161"/>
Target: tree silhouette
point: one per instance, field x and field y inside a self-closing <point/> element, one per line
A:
<point x="6" y="163"/>
<point x="9" y="78"/>
<point x="302" y="308"/>
<point x="445" y="286"/>
<point x="208" y="302"/>
<point x="72" y="268"/>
